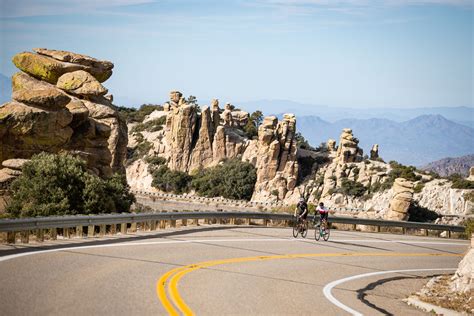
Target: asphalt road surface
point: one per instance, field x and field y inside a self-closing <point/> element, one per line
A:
<point x="222" y="270"/>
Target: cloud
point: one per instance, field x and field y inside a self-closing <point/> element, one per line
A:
<point x="28" y="8"/>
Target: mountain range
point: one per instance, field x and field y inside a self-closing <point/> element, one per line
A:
<point x="416" y="142"/>
<point x="449" y="166"/>
<point x="460" y="114"/>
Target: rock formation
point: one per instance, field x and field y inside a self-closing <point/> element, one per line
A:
<point x="276" y="164"/>
<point x="58" y="106"/>
<point x="471" y="174"/>
<point x="374" y="152"/>
<point x="463" y="279"/>
<point x="331" y="145"/>
<point x="348" y="150"/>
<point x="402" y="191"/>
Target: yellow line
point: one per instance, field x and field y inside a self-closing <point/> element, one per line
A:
<point x="177" y="273"/>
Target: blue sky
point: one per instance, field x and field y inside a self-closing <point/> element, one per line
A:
<point x="354" y="53"/>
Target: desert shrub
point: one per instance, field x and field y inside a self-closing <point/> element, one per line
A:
<point x="251" y="128"/>
<point x="418" y="187"/>
<point x="155" y="160"/>
<point x="469" y="227"/>
<point x="460" y="183"/>
<point x="302" y="143"/>
<point x="170" y="180"/>
<point x="417" y="213"/>
<point x="351" y="188"/>
<point x="60" y="184"/>
<point x="398" y="171"/>
<point x="469" y="196"/>
<point x="150" y="126"/>
<point x="139" y="151"/>
<point x="137" y="115"/>
<point x="234" y="179"/>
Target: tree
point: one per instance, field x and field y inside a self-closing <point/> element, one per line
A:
<point x="60" y="184"/>
<point x="257" y="118"/>
<point x="302" y="143"/>
<point x="234" y="179"/>
<point x="251" y="128"/>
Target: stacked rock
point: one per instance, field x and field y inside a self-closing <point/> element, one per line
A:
<point x="59" y="106"/>
<point x="402" y="197"/>
<point x="348" y="150"/>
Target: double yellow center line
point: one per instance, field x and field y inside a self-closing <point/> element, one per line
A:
<point x="174" y="303"/>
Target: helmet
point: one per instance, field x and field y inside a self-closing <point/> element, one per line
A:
<point x="321" y="204"/>
<point x="302" y="199"/>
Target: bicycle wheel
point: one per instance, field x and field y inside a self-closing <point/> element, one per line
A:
<point x="305" y="229"/>
<point x="326" y="233"/>
<point x="295" y="229"/>
<point x="317" y="232"/>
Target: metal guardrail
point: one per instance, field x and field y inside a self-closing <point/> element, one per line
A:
<point x="17" y="225"/>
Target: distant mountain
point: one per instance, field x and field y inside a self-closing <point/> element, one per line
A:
<point x="463" y="115"/>
<point x="416" y="142"/>
<point x="449" y="166"/>
<point x="5" y="88"/>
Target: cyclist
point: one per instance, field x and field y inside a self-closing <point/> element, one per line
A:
<point x="323" y="212"/>
<point x="302" y="209"/>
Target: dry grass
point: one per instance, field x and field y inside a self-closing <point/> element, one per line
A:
<point x="438" y="292"/>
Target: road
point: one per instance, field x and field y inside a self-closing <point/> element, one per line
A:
<point x="216" y="270"/>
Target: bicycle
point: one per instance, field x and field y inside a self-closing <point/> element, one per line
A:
<point x="300" y="227"/>
<point x="322" y="230"/>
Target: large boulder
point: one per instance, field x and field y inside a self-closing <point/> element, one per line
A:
<point x="77" y="119"/>
<point x="348" y="150"/>
<point x="80" y="82"/>
<point x="402" y="196"/>
<point x="50" y="69"/>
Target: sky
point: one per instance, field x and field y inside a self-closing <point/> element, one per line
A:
<point x="345" y="53"/>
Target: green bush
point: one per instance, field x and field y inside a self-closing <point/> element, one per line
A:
<point x="171" y="180"/>
<point x="140" y="151"/>
<point x="460" y="183"/>
<point x="133" y="115"/>
<point x="234" y="179"/>
<point x="418" y="188"/>
<point x="351" y="188"/>
<point x="150" y="126"/>
<point x="398" y="171"/>
<point x="469" y="228"/>
<point x="251" y="128"/>
<point x="60" y="184"/>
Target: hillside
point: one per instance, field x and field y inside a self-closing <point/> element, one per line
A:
<point x="415" y="142"/>
<point x="449" y="166"/>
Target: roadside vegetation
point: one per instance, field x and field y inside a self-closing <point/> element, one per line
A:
<point x="61" y="185"/>
<point x="233" y="179"/>
<point x="133" y="115"/>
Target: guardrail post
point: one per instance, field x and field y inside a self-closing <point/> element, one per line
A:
<point x="123" y="228"/>
<point x="66" y="233"/>
<point x="90" y="231"/>
<point x="247" y="221"/>
<point x="404" y="230"/>
<point x="377" y="229"/>
<point x="40" y="235"/>
<point x="133" y="227"/>
<point x="153" y="225"/>
<point x="11" y="237"/>
<point x="426" y="232"/>
<point x="232" y="221"/>
<point x="207" y="221"/>
<point x="25" y="236"/>
<point x="54" y="233"/>
<point x="79" y="231"/>
<point x="102" y="231"/>
<point x="354" y="226"/>
<point x="184" y="222"/>
<point x="449" y="234"/>
<point x="113" y="229"/>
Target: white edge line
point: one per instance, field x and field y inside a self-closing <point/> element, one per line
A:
<point x="328" y="288"/>
<point x="132" y="243"/>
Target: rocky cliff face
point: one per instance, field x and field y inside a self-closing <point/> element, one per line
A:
<point x="192" y="140"/>
<point x="59" y="106"/>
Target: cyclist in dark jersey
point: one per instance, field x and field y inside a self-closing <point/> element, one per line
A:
<point x="302" y="209"/>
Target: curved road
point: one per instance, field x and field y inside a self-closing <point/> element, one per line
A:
<point x="215" y="270"/>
